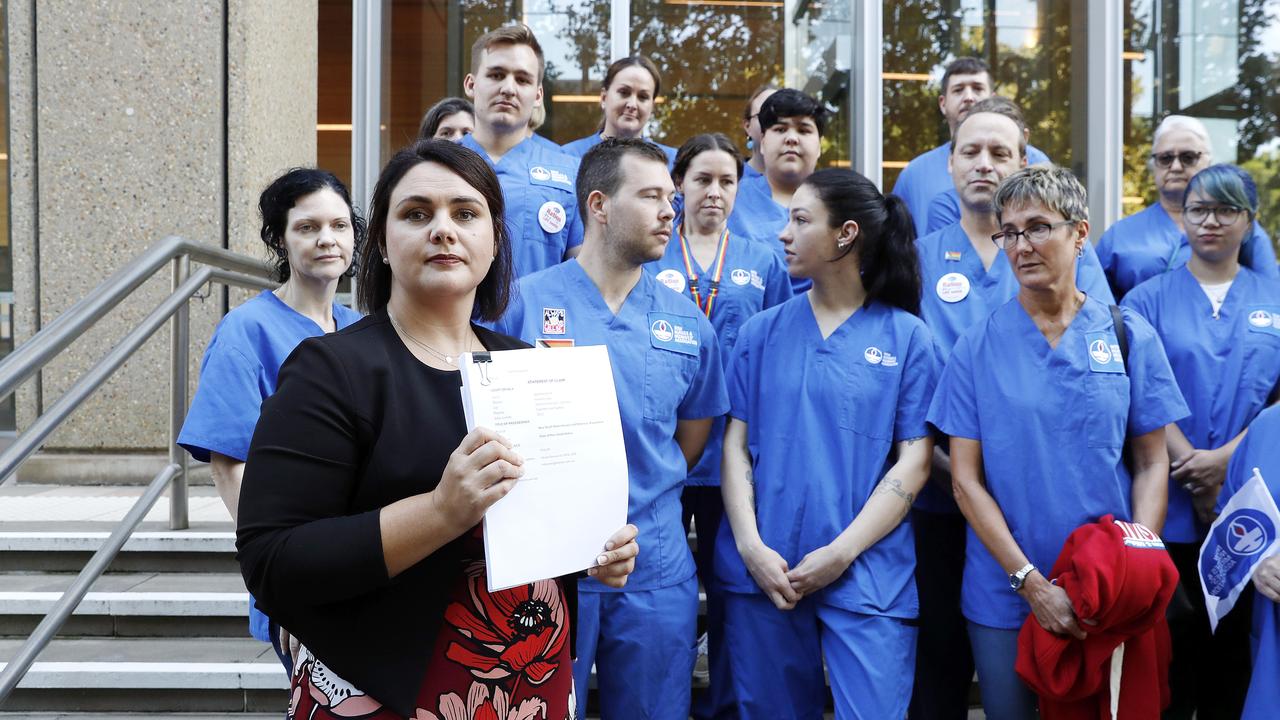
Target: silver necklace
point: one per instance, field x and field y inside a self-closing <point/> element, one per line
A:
<point x="448" y="359"/>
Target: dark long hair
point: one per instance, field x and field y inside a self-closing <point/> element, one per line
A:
<point x="494" y="291"/>
<point x="886" y="240"/>
<point x="441" y="110"/>
<point x="282" y="194"/>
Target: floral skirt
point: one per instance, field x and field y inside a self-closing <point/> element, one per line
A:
<point x="498" y="656"/>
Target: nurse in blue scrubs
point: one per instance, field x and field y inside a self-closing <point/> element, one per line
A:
<point x="1153" y="241"/>
<point x="751" y="126"/>
<point x="505" y="83"/>
<point x="1039" y="402"/>
<point x="792" y="124"/>
<point x="825" y="449"/>
<point x="730" y="278"/>
<point x="670" y="385"/>
<point x="312" y="231"/>
<point x="631" y="87"/>
<point x="1213" y="316"/>
<point x="1258" y="451"/>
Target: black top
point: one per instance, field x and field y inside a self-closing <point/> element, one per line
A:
<point x="356" y="423"/>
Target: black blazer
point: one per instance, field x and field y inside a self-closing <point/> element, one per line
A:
<point x="356" y="423"/>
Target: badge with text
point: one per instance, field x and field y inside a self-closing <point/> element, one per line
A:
<point x="539" y="175"/>
<point x="673" y="279"/>
<point x="553" y="321"/>
<point x="1104" y="352"/>
<point x="953" y="287"/>
<point x="1264" y="319"/>
<point x="551" y="216"/>
<point x="678" y="333"/>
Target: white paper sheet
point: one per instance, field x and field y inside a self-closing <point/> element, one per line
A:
<point x="559" y="409"/>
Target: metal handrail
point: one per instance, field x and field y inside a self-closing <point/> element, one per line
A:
<point x="222" y="266"/>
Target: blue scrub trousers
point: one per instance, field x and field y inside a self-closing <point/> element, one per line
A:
<point x="1004" y="695"/>
<point x="643" y="645"/>
<point x="777" y="660"/>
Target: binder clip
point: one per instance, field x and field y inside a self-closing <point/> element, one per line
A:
<point x="482" y="361"/>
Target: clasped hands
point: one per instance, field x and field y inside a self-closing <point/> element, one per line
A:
<point x="785" y="587"/>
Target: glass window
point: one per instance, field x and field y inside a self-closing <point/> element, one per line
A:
<point x="820" y="66"/>
<point x="333" y="88"/>
<point x="1217" y="61"/>
<point x="1035" y="49"/>
<point x="575" y="39"/>
<point x="8" y="422"/>
<point x="713" y="54"/>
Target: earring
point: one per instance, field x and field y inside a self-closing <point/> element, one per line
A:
<point x="751" y="144"/>
<point x="1080" y="252"/>
<point x="386" y="261"/>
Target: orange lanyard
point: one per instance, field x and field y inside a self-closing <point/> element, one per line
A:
<point x="722" y="248"/>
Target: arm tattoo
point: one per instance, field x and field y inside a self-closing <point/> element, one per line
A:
<point x="751" y="487"/>
<point x="914" y="440"/>
<point x="894" y="485"/>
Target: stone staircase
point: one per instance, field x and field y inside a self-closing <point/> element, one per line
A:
<point x="163" y="632"/>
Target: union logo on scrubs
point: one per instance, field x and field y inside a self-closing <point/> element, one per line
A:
<point x="1104" y="353"/>
<point x="674" y="332"/>
<point x="1262" y="319"/>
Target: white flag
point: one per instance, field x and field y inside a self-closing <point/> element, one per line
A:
<point x="1243" y="535"/>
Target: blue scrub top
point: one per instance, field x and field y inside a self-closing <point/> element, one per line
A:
<point x="659" y="379"/>
<point x="1149" y="243"/>
<point x="579" y="147"/>
<point x="1226" y="366"/>
<point x="542" y="210"/>
<point x="748" y="171"/>
<point x="1258" y="450"/>
<point x="753" y="279"/>
<point x="237" y="373"/>
<point x="949" y="251"/>
<point x="822" y="417"/>
<point x="545" y="142"/>
<point x="1052" y="423"/>
<point x="927" y="175"/>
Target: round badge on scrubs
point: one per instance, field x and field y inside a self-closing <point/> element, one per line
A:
<point x="551" y="216"/>
<point x="740" y="277"/>
<point x="673" y="279"/>
<point x="873" y="355"/>
<point x="1260" y="318"/>
<point x="953" y="287"/>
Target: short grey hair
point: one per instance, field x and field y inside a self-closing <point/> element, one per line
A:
<point x="1187" y="123"/>
<point x="1048" y="185"/>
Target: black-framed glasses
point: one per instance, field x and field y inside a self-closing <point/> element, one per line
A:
<point x="1186" y="157"/>
<point x="1035" y="234"/>
<point x="1224" y="214"/>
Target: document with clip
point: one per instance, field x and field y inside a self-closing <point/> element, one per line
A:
<point x="559" y="409"/>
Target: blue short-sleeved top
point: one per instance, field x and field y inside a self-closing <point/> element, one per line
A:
<point x="1053" y="423"/>
<point x="579" y="147"/>
<point x="666" y="367"/>
<point x="926" y="176"/>
<point x="1149" y="243"/>
<point x="822" y="417"/>
<point x="542" y="209"/>
<point x="958" y="293"/>
<point x="753" y="278"/>
<point x="1258" y="450"/>
<point x="1226" y="364"/>
<point x="237" y="373"/>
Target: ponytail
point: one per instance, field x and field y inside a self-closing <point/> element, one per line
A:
<point x="886" y="242"/>
<point x="890" y="266"/>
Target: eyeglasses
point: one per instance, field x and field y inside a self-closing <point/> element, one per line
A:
<point x="1036" y="234"/>
<point x="1186" y="157"/>
<point x="1223" y="214"/>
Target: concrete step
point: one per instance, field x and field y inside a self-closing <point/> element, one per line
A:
<point x="154" y="675"/>
<point x="146" y="551"/>
<point x="130" y="605"/>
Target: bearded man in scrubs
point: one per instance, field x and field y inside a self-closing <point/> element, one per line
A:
<point x="505" y="83"/>
<point x="1154" y="241"/>
<point x="670" y="384"/>
<point x="1039" y="402"/>
<point x="967" y="80"/>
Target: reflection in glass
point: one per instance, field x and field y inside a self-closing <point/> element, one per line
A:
<point x="711" y="57"/>
<point x="1034" y="47"/>
<point x="820" y="67"/>
<point x="1216" y="60"/>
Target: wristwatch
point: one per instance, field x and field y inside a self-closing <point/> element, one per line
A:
<point x="1016" y="580"/>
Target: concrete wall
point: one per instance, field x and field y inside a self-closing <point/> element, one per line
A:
<point x="130" y="122"/>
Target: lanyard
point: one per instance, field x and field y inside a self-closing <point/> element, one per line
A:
<point x="722" y="248"/>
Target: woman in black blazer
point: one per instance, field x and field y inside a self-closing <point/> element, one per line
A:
<point x="363" y="491"/>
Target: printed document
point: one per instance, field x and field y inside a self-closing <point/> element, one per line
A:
<point x="559" y="409"/>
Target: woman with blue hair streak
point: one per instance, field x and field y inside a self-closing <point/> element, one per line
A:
<point x="1215" y="318"/>
<point x="1040" y="402"/>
